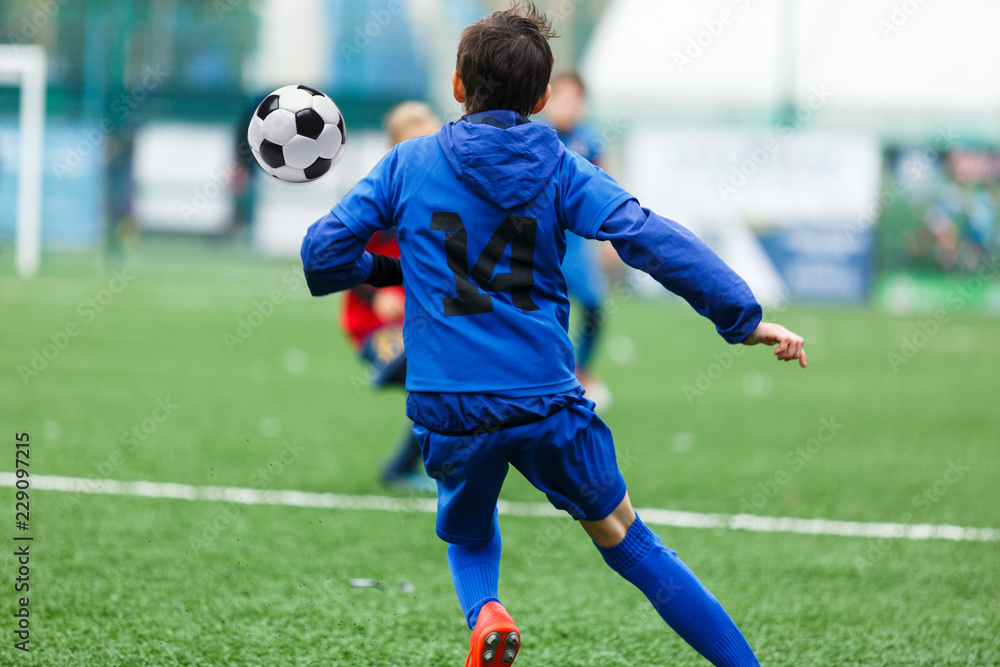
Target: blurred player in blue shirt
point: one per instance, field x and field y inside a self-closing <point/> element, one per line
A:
<point x="581" y="266"/>
<point x="483" y="209"/>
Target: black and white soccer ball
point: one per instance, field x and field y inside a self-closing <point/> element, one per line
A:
<point x="297" y="134"/>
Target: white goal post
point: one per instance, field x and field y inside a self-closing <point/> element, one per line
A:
<point x="24" y="66"/>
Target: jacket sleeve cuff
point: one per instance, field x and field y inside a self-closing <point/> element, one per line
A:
<point x="386" y="271"/>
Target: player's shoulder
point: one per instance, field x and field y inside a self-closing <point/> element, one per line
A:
<point x="417" y="154"/>
<point x="418" y="145"/>
<point x="573" y="163"/>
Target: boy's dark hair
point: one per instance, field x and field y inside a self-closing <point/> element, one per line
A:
<point x="504" y="60"/>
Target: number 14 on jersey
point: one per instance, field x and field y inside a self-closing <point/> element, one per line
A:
<point x="515" y="231"/>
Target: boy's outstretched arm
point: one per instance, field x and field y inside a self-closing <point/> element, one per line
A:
<point x="683" y="264"/>
<point x="335" y="259"/>
<point x="333" y="251"/>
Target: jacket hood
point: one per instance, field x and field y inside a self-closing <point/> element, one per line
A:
<point x="501" y="155"/>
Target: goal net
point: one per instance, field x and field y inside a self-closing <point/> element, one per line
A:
<point x="23" y="66"/>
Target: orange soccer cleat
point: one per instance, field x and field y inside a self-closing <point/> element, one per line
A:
<point x="495" y="639"/>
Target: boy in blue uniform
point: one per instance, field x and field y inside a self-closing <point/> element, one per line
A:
<point x="482" y="210"/>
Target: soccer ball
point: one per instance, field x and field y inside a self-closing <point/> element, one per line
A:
<point x="297" y="134"/>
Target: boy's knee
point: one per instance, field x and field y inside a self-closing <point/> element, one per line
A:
<point x="612" y="529"/>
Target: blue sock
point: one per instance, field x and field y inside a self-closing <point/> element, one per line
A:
<point x="475" y="571"/>
<point x="677" y="595"/>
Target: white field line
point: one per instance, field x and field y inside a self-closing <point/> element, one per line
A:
<point x="659" y="517"/>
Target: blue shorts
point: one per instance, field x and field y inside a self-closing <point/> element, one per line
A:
<point x="569" y="456"/>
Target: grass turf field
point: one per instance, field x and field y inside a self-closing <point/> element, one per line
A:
<point x="147" y="581"/>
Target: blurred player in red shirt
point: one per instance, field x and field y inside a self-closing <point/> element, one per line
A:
<point x="373" y="317"/>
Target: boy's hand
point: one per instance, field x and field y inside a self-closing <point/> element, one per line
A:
<point x="789" y="344"/>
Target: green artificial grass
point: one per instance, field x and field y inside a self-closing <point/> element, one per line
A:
<point x="176" y="380"/>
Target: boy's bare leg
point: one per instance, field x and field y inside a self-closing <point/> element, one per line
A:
<point x="637" y="554"/>
<point x="612" y="529"/>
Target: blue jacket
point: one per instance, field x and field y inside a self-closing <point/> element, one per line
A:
<point x="482" y="210"/>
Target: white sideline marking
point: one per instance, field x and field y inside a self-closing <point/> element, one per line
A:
<point x="658" y="517"/>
